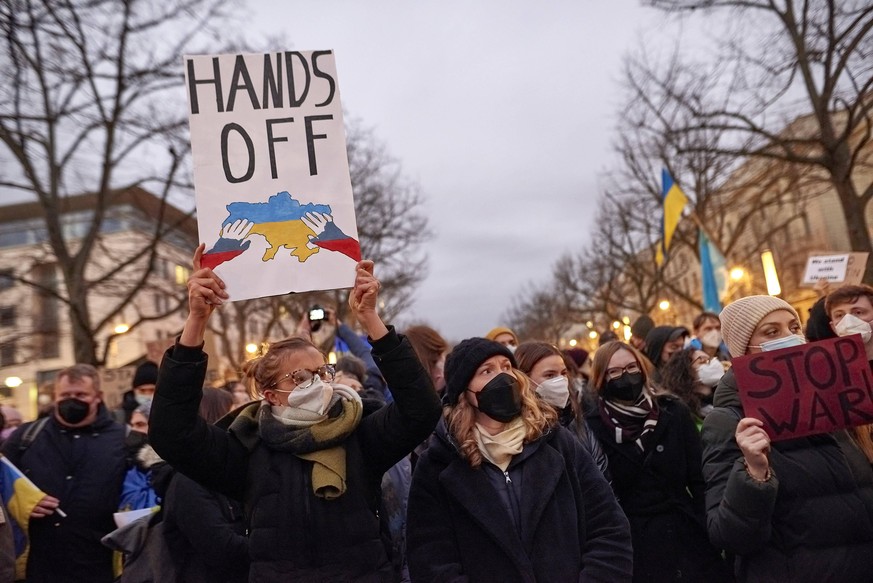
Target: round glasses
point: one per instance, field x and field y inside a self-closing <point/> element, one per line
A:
<point x="303" y="377"/>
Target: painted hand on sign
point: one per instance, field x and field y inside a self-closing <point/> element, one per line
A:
<point x="303" y="229"/>
<point x="808" y="389"/>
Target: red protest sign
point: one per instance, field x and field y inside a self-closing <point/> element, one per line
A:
<point x="807" y="389"/>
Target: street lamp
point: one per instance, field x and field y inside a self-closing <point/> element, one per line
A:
<point x="592" y="335"/>
<point x="251" y="348"/>
<point x="737" y="273"/>
<point x="770" y="275"/>
<point x="664" y="305"/>
<point x="13" y="382"/>
<point x="572" y="342"/>
<point x="121" y="328"/>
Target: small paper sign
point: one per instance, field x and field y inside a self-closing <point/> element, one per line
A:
<point x="803" y="390"/>
<point x="840" y="268"/>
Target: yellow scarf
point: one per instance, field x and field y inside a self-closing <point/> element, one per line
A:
<point x="499" y="449"/>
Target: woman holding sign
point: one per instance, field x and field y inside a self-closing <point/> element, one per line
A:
<point x="794" y="510"/>
<point x="305" y="460"/>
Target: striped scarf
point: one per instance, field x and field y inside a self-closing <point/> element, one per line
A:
<point x="630" y="423"/>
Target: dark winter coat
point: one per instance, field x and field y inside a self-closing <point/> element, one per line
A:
<point x="83" y="468"/>
<point x="565" y="524"/>
<point x="812" y="521"/>
<point x="662" y="494"/>
<point x="579" y="428"/>
<point x="294" y="534"/>
<point x="206" y="533"/>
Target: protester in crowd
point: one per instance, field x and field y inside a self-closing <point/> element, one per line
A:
<point x="139" y="419"/>
<point x="503" y="493"/>
<point x="691" y="375"/>
<point x="795" y="510"/>
<point x="142" y="390"/>
<point x="707" y="336"/>
<point x="545" y="365"/>
<point x="850" y="311"/>
<point x="655" y="460"/>
<point x="431" y="350"/>
<point x="581" y="359"/>
<point x="12" y="421"/>
<point x="78" y="457"/>
<point x="352" y="372"/>
<point x="205" y="531"/>
<point x="305" y="461"/>
<point x="504" y="336"/>
<point x="238" y="391"/>
<point x="372" y="381"/>
<point x="639" y="330"/>
<point x="661" y="343"/>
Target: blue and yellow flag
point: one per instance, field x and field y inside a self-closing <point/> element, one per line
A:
<point x="20" y="496"/>
<point x="673" y="200"/>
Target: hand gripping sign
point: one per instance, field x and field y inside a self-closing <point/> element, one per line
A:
<point x="803" y="390"/>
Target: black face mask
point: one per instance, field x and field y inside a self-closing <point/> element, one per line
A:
<point x="500" y="399"/>
<point x="73" y="411"/>
<point x="627" y="387"/>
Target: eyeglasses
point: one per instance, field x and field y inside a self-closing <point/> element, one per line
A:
<point x="303" y="377"/>
<point x="616" y="372"/>
<point x="701" y="360"/>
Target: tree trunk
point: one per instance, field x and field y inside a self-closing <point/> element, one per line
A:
<point x="854" y="208"/>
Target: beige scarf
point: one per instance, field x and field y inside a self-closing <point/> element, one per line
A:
<point x="499" y="449"/>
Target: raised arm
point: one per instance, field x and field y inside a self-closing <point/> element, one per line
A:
<point x="205" y="453"/>
<point x="393" y="431"/>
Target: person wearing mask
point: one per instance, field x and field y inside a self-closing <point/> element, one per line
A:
<point x="503" y="492"/>
<point x="205" y="531"/>
<point x="691" y="375"/>
<point x="661" y="343"/>
<point x="504" y="336"/>
<point x="142" y="391"/>
<point x="639" y="330"/>
<point x="795" y="510"/>
<point x="431" y="350"/>
<point x="78" y="456"/>
<point x="138" y="490"/>
<point x="305" y="460"/>
<point x="545" y="366"/>
<point x="655" y="460"/>
<point x="707" y="336"/>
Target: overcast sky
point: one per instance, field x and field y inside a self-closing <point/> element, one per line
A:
<point x="503" y="112"/>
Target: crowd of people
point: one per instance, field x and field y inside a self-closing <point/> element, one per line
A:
<point x="497" y="459"/>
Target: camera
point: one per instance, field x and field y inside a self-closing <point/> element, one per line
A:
<point x="316" y="317"/>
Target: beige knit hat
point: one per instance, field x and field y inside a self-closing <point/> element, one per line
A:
<point x="740" y="318"/>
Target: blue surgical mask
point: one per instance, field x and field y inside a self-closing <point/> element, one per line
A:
<point x="785" y="342"/>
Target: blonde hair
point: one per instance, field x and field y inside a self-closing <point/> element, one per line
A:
<point x="263" y="371"/>
<point x="461" y="420"/>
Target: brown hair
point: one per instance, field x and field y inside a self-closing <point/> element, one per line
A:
<point x="601" y="360"/>
<point x="863" y="436"/>
<point x="265" y="370"/>
<point x="847" y="294"/>
<point x="703" y="317"/>
<point x="427" y="343"/>
<point x="79" y="372"/>
<point x="215" y="404"/>
<point x="528" y="354"/>
<point x="461" y="419"/>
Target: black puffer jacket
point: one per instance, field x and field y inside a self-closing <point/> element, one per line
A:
<point x="294" y="534"/>
<point x="812" y="521"/>
<point x="565" y="524"/>
<point x="83" y="468"/>
<point x="662" y="493"/>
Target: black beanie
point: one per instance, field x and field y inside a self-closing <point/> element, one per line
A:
<point x="464" y="359"/>
<point x="146" y="374"/>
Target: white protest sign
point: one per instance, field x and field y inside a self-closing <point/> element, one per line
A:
<point x="271" y="174"/>
<point x="829" y="267"/>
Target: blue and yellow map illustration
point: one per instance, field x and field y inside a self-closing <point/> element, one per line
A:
<point x="303" y="229"/>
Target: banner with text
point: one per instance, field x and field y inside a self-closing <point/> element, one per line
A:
<point x="271" y="173"/>
<point x="813" y="388"/>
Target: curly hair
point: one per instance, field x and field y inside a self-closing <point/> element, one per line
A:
<point x="678" y="377"/>
<point x="461" y="420"/>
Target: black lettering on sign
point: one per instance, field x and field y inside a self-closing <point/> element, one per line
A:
<point x="225" y="162"/>
<point x="240" y="71"/>
<point x="272" y="140"/>
<point x="293" y="100"/>
<point x="193" y="82"/>
<point x="847" y="353"/>
<point x="789" y="425"/>
<point x="829" y="368"/>
<point x="765" y="392"/>
<point x="789" y="359"/>
<point x="818" y="410"/>
<point x="848" y="399"/>
<point x="310" y="139"/>
<point x="273" y="82"/>
<point x="322" y="75"/>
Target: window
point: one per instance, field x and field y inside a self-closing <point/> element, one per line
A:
<point x="182" y="275"/>
<point x="47" y="312"/>
<point x="7" y="279"/>
<point x="7" y="352"/>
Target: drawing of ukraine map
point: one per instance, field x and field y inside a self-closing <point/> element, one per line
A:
<point x="301" y="229"/>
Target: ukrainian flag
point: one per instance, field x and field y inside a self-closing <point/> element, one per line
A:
<point x="20" y="496"/>
<point x="673" y="200"/>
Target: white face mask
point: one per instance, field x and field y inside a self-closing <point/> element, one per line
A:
<point x="710" y="373"/>
<point x="785" y="342"/>
<point x="851" y="324"/>
<point x="555" y="391"/>
<point x="315" y="398"/>
<point x="711" y="339"/>
<point x="511" y="348"/>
